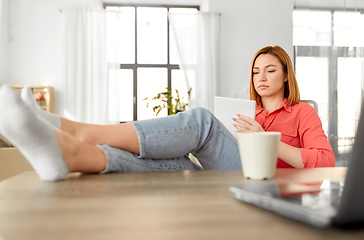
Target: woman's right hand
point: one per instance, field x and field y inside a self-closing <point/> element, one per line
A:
<point x="247" y="124"/>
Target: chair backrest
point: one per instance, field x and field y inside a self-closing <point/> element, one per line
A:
<point x="312" y="103"/>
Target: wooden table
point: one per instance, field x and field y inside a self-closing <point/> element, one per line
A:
<point x="150" y="205"/>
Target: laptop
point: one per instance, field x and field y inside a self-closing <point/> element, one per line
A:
<point x="324" y="204"/>
<point x="227" y="108"/>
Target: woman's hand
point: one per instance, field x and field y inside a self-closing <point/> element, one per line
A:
<point x="250" y="125"/>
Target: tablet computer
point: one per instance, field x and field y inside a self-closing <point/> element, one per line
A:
<point x="227" y="108"/>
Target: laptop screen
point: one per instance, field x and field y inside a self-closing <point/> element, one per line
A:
<point x="352" y="207"/>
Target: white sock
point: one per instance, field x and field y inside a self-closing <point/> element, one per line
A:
<point x="34" y="137"/>
<point x="27" y="96"/>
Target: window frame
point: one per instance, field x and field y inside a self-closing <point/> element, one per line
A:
<point x="134" y="66"/>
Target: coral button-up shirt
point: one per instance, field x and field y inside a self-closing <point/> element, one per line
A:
<point x="301" y="127"/>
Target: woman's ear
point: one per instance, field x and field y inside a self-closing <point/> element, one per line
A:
<point x="285" y="78"/>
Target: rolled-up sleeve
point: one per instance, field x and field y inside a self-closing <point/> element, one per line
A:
<point x="316" y="150"/>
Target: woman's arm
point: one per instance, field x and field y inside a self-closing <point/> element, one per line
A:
<point x="287" y="153"/>
<point x="290" y="155"/>
<point x="316" y="150"/>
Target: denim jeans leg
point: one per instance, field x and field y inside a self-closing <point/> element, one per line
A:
<point x="123" y="161"/>
<point x="195" y="131"/>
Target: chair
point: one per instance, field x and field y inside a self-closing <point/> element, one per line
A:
<point x="312" y="103"/>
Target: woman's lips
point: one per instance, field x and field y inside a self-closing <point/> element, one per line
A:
<point x="263" y="86"/>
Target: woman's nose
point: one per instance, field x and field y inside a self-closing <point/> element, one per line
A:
<point x="262" y="77"/>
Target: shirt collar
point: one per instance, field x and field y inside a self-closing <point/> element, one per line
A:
<point x="284" y="105"/>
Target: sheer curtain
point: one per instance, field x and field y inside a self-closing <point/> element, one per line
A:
<point x="88" y="51"/>
<point x="197" y="39"/>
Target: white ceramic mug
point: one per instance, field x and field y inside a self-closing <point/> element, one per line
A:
<point x="258" y="154"/>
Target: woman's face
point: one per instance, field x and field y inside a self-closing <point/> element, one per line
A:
<point x="268" y="76"/>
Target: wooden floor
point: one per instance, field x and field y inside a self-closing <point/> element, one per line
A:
<point x="149" y="205"/>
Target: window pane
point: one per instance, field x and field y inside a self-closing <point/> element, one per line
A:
<point x="123" y="25"/>
<point x="189" y="23"/>
<point x="187" y="34"/>
<point x="349" y="100"/>
<point x="348" y="29"/>
<point x="173" y="50"/>
<point x="121" y="94"/>
<point x="152" y="35"/>
<point x="151" y="81"/>
<point x="179" y="84"/>
<point x="311" y="28"/>
<point x="313" y="71"/>
<point x="183" y="10"/>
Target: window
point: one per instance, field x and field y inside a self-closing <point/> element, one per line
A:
<point x="329" y="49"/>
<point x="148" y="62"/>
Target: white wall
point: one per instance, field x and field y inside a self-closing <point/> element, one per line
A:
<point x="246" y="27"/>
<point x="36" y="47"/>
<point x="4" y="45"/>
<point x="35" y="52"/>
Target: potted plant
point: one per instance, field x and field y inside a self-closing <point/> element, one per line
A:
<point x="169" y="99"/>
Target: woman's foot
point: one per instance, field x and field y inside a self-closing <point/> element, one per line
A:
<point x="28" y="98"/>
<point x="34" y="137"/>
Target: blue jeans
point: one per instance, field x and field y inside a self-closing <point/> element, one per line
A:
<point x="165" y="143"/>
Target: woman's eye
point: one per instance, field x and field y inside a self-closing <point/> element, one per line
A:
<point x="271" y="71"/>
<point x="255" y="72"/>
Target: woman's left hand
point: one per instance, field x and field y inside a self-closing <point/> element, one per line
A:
<point x="250" y="125"/>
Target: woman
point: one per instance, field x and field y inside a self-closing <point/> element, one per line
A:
<point x="274" y="87"/>
<point x="55" y="146"/>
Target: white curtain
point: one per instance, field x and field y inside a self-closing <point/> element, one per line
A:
<point x="88" y="86"/>
<point x="197" y="40"/>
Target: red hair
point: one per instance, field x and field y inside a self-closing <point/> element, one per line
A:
<point x="291" y="91"/>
